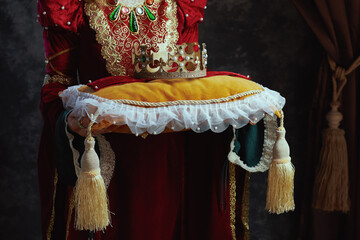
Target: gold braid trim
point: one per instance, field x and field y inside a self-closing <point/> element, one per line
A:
<point x="232" y="179"/>
<point x="52" y="218"/>
<point x="70" y="211"/>
<point x="188" y="102"/>
<point x="246" y="206"/>
<point x="48" y="60"/>
<point x="235" y="97"/>
<point x="59" y="79"/>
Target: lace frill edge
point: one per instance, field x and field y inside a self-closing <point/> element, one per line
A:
<point x="197" y="117"/>
<point x="200" y="118"/>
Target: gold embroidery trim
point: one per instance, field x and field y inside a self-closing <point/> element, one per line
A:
<point x="232" y="183"/>
<point x="99" y="23"/>
<point x="246" y="206"/>
<point x="52" y="218"/>
<point x="70" y="211"/>
<point x="48" y="60"/>
<point x="172" y="24"/>
<point x="59" y="79"/>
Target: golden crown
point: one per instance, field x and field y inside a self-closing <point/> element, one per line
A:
<point x="183" y="61"/>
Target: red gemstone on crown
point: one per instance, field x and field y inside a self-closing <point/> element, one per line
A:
<point x="149" y="2"/>
<point x="196" y="48"/>
<point x="125" y="10"/>
<point x="181" y="58"/>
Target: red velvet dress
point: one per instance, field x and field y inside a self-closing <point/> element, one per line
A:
<point x="169" y="186"/>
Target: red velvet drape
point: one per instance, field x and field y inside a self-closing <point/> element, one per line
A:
<point x="336" y="24"/>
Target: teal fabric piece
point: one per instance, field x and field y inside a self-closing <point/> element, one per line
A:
<point x="63" y="153"/>
<point x="237" y="145"/>
<point x="249" y="143"/>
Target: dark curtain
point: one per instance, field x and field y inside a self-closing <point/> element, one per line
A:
<point x="336" y="24"/>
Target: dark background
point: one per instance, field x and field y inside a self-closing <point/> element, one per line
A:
<point x="267" y="40"/>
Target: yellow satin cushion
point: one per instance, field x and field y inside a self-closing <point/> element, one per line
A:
<point x="169" y="90"/>
<point x="165" y="90"/>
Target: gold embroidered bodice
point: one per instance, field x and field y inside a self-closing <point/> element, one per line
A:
<point x="118" y="41"/>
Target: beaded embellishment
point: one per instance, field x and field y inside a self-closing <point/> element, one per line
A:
<point x="140" y="9"/>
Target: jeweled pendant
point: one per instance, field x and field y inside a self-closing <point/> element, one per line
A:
<point x="149" y="2"/>
<point x="125" y="10"/>
<point x="149" y="14"/>
<point x="133" y="23"/>
<point x="140" y="11"/>
<point x="115" y="14"/>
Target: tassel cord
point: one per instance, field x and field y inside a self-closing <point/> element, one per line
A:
<point x="282" y="119"/>
<point x="339" y="78"/>
<point x="92" y="122"/>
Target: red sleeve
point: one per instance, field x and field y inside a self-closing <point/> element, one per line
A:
<point x="61" y="20"/>
<point x="190" y="14"/>
<point x="61" y="57"/>
<point x="61" y="52"/>
<point x="65" y="14"/>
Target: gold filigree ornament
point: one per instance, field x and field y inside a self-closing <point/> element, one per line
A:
<point x="133" y="8"/>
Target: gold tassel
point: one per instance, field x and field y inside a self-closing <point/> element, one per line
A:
<point x="91" y="202"/>
<point x="331" y="188"/>
<point x="280" y="191"/>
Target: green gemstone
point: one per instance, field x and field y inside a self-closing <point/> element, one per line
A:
<point x="114" y="15"/>
<point x="143" y="59"/>
<point x="133" y="23"/>
<point x="149" y="14"/>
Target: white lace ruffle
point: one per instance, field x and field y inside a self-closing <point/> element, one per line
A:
<point x="75" y="152"/>
<point x="199" y="118"/>
<point x="270" y="124"/>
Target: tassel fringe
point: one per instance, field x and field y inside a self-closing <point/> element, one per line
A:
<point x="91" y="202"/>
<point x="331" y="189"/>
<point x="280" y="187"/>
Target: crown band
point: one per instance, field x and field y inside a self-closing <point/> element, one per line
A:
<point x="185" y="61"/>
